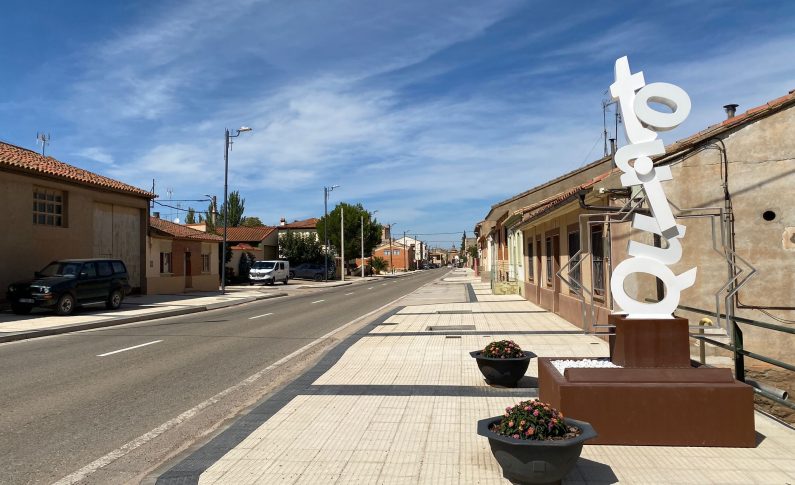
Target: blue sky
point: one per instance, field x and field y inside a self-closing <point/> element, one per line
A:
<point x="429" y="111"/>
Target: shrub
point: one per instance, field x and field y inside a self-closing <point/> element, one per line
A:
<point x="534" y="420"/>
<point x="503" y="349"/>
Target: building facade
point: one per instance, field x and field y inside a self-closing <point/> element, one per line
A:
<point x="56" y="211"/>
<point x="181" y="259"/>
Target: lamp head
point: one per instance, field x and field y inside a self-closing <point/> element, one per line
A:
<point x="243" y="129"/>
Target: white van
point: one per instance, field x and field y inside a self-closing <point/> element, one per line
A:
<point x="269" y="272"/>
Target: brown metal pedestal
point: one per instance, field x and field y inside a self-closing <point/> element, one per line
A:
<point x="656" y="398"/>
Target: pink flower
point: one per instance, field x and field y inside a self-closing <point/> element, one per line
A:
<point x="522" y="422"/>
<point x="527" y="408"/>
<point x="535" y="413"/>
<point x="510" y="423"/>
<point x="530" y="431"/>
<point x="516" y="436"/>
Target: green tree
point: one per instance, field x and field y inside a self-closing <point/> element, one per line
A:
<point x="300" y="248"/>
<point x="472" y="252"/>
<point x="190" y="218"/>
<point x="462" y="251"/>
<point x="379" y="264"/>
<point x="236" y="208"/>
<point x="252" y="221"/>
<point x="353" y="229"/>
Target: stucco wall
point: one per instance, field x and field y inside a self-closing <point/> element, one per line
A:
<point x="27" y="247"/>
<point x="761" y="177"/>
<point x="175" y="281"/>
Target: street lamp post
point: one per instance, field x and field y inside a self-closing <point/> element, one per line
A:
<point x="363" y="266"/>
<point x="326" y="191"/>
<point x="343" y="263"/>
<point x="227" y="141"/>
<point x="391" y="265"/>
<point x="405" y="252"/>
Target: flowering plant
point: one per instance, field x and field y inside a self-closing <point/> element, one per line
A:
<point x="503" y="349"/>
<point x="534" y="420"/>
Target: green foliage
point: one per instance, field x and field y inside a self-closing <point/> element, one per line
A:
<point x="236" y="208"/>
<point x="190" y="218"/>
<point x="252" y="221"/>
<point x="502" y="349"/>
<point x="379" y="264"/>
<point x="300" y="248"/>
<point x="353" y="229"/>
<point x="246" y="261"/>
<point x="533" y="420"/>
<point x="472" y="251"/>
<point x="462" y="254"/>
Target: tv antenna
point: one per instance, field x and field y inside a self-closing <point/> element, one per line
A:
<point x="43" y="140"/>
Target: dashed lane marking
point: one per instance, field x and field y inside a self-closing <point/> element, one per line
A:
<point x="260" y="316"/>
<point x="128" y="348"/>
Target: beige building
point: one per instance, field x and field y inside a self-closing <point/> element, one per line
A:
<point x="181" y="259"/>
<point x="54" y="210"/>
<point x="732" y="188"/>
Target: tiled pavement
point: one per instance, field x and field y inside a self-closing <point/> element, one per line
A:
<point x="398" y="403"/>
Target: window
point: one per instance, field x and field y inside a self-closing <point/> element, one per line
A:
<point x="104" y="269"/>
<point x="165" y="262"/>
<point x="387" y="252"/>
<point x="597" y="261"/>
<point x="549" y="261"/>
<point x="205" y="263"/>
<point x="118" y="267"/>
<point x="530" y="261"/>
<point x="574" y="247"/>
<point x="89" y="269"/>
<point x="396" y="252"/>
<point x="48" y="207"/>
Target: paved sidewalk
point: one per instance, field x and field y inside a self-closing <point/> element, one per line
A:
<point x="398" y="403"/>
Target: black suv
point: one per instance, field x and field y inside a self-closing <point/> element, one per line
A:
<point x="63" y="285"/>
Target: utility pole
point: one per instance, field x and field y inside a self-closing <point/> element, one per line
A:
<point x="391" y="265"/>
<point x="326" y="191"/>
<point x="363" y="266"/>
<point x="342" y="242"/>
<point x="406" y="253"/>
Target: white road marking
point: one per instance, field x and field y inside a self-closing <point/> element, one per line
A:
<point x="128" y="348"/>
<point x="347" y="294"/>
<point x="370" y="288"/>
<point x="317" y="301"/>
<point x="260" y="316"/>
<point x="145" y="438"/>
<point x="383" y="284"/>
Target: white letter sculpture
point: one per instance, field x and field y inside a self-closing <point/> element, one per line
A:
<point x="641" y="124"/>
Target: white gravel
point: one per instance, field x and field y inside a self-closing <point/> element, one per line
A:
<point x="562" y="365"/>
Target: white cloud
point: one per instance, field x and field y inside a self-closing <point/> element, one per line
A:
<point x="97" y="154"/>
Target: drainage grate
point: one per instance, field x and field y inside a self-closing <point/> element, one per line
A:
<point x="452" y="336"/>
<point x="453" y="312"/>
<point x="447" y="328"/>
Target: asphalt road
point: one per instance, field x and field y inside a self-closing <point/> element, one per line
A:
<point x="67" y="400"/>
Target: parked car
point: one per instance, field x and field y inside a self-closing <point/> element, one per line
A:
<point x="312" y="271"/>
<point x="269" y="272"/>
<point x="64" y="285"/>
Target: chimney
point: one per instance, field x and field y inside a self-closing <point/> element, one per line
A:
<point x="612" y="146"/>
<point x="731" y="109"/>
<point x="156" y="215"/>
<point x="282" y="221"/>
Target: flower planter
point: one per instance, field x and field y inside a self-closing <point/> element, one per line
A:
<point x="502" y="372"/>
<point x="535" y="461"/>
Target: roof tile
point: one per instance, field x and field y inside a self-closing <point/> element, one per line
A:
<point x="30" y="161"/>
<point x="179" y="231"/>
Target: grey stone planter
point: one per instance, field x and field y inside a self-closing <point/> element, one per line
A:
<point x="535" y="461"/>
<point x="503" y="372"/>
